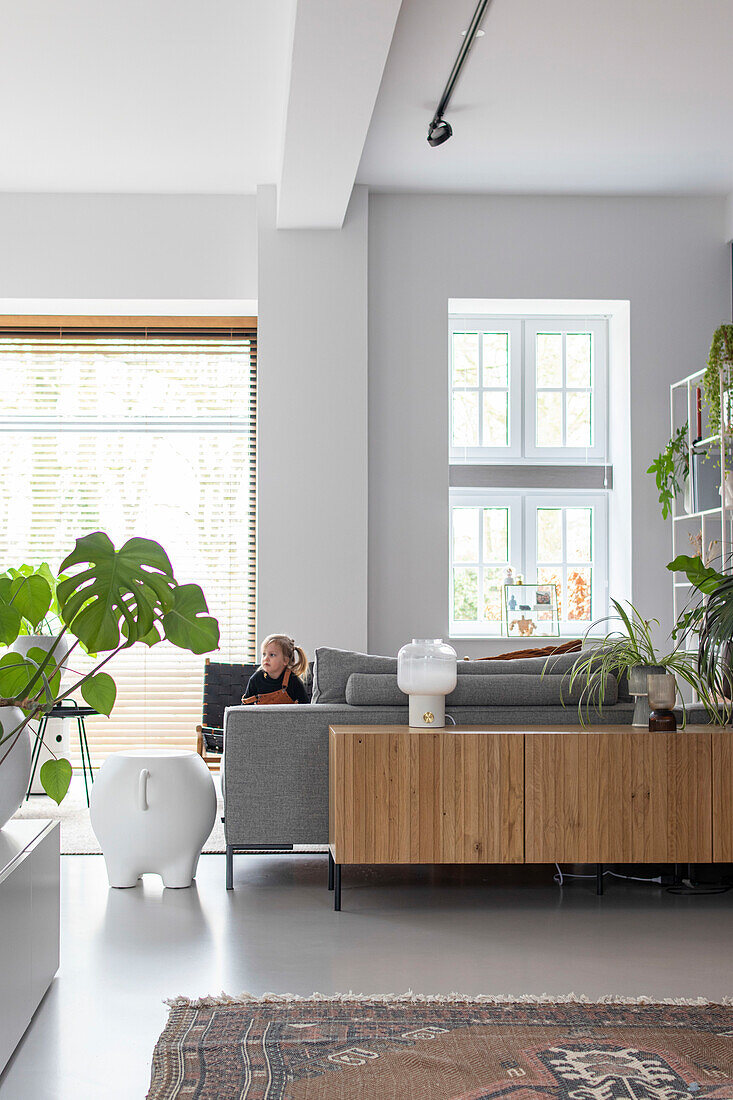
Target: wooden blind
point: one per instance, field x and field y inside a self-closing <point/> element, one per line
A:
<point x="137" y="429"/>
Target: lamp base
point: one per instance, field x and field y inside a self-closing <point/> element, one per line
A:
<point x="427" y="711"/>
<point x="662" y="721"/>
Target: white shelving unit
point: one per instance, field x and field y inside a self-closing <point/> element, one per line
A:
<point x="712" y="523"/>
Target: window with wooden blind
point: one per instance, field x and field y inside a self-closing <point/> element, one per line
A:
<point x="137" y="431"/>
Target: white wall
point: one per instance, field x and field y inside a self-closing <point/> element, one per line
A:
<point x="128" y="246"/>
<point x="312" y="383"/>
<point x="666" y="256"/>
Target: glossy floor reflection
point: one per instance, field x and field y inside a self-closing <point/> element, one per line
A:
<point x="470" y="930"/>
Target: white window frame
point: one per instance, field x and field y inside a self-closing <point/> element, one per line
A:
<point x="523" y="551"/>
<point x="479" y="324"/>
<point x="598" y="327"/>
<point x="599" y="550"/>
<point x="478" y="498"/>
<point x="523" y="389"/>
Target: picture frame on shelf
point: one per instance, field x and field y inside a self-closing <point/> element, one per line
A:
<point x="531" y="609"/>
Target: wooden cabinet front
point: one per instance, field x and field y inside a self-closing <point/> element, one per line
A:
<point x="618" y="797"/>
<point x="399" y="795"/>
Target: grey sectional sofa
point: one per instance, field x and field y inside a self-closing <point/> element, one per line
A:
<point x="275" y="764"/>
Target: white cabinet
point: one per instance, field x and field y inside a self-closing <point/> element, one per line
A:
<point x="29" y="919"/>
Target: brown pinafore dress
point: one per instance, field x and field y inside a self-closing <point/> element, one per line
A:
<point x="279" y="696"/>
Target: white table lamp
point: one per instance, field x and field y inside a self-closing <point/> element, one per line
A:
<point x="426" y="671"/>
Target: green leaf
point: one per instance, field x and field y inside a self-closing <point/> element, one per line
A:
<point x="127" y="588"/>
<point x="9" y="624"/>
<point x="55" y="778"/>
<point x="32" y="598"/>
<point x="704" y="577"/>
<point x="188" y="624"/>
<point x="15" y="675"/>
<point x="100" y="692"/>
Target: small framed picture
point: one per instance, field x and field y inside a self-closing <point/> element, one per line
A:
<point x="531" y="609"/>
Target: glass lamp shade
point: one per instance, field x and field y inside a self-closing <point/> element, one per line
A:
<point x="662" y="691"/>
<point x="427" y="666"/>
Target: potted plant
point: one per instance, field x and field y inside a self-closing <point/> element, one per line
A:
<point x="110" y="600"/>
<point x="709" y="621"/>
<point x="630" y="651"/>
<point x="671" y="469"/>
<point x="720" y="364"/>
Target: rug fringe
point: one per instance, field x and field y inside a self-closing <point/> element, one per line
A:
<point x="436" y="998"/>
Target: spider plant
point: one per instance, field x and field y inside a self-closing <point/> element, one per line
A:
<point x="626" y="646"/>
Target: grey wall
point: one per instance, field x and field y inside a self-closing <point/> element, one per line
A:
<point x="667" y="256"/>
<point x="128" y="246"/>
<point x="312" y="451"/>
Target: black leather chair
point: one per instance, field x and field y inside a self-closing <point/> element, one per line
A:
<point x="224" y="686"/>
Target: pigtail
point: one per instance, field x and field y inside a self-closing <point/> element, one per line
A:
<point x="300" y="661"/>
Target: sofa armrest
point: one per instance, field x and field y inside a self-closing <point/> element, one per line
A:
<point x="275" y="765"/>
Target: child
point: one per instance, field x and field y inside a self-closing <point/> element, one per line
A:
<point x="277" y="680"/>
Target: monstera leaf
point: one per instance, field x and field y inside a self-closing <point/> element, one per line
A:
<point x="188" y="624"/>
<point x="23" y="677"/>
<point x="119" y="590"/>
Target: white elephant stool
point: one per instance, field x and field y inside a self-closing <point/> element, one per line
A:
<point x="152" y="811"/>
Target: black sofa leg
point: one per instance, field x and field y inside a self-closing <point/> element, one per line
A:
<point x="230" y="866"/>
<point x="330" y="871"/>
<point x="599" y="878"/>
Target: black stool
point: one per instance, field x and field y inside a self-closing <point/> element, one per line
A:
<point x="68" y="710"/>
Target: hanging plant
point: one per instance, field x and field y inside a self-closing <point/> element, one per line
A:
<point x="671" y="469"/>
<point x="720" y="360"/>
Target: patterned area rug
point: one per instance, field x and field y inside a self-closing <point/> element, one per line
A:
<point x="441" y="1048"/>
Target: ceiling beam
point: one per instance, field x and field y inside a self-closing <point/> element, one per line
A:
<point x="340" y="48"/>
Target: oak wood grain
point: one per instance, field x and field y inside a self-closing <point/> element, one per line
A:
<point x="413" y="796"/>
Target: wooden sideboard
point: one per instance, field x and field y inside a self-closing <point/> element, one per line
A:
<point x="528" y="794"/>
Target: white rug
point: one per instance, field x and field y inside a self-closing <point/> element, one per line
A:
<point x="77" y="838"/>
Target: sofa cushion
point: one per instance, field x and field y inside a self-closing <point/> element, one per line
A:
<point x="332" y="668"/>
<point x="508" y="689"/>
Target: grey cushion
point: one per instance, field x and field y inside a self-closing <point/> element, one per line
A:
<point x="508" y="690"/>
<point x="333" y="667"/>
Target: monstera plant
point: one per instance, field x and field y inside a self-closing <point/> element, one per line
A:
<point x="106" y="600"/>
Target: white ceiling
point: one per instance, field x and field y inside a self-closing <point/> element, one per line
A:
<point x="578" y="96"/>
<point x="218" y="96"/>
<point x="142" y="95"/>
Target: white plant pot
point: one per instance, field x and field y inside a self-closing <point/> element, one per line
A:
<point x="687" y="495"/>
<point x="728" y="490"/>
<point x="15" y="769"/>
<point x="25" y="642"/>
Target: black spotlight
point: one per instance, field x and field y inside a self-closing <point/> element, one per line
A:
<point x="439" y="131"/>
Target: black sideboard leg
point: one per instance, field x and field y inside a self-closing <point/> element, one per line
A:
<point x="599" y="878"/>
<point x="330" y="871"/>
<point x="337" y="887"/>
<point x="230" y="867"/>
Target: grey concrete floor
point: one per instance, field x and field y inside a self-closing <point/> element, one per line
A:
<point x="432" y="930"/>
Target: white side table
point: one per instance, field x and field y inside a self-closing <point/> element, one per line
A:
<point x="151" y="811"/>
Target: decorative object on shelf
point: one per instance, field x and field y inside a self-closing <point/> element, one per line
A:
<point x="719" y="369"/>
<point x="152" y="811"/>
<point x="671" y="469"/>
<point x="621" y="653"/>
<point x="115" y="599"/>
<point x="661" y="692"/>
<point x="426" y="671"/>
<point x="639" y="688"/>
<point x="531" y="609"/>
<point x="509" y="577"/>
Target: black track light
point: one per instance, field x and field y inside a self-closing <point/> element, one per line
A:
<point x="439" y="130"/>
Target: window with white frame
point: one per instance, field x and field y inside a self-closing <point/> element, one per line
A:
<point x="526" y="394"/>
<point x="554" y="368"/>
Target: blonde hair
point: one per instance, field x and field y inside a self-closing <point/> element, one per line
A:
<point x="295" y="658"/>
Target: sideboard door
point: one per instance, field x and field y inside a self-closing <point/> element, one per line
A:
<point x="620" y="797"/>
